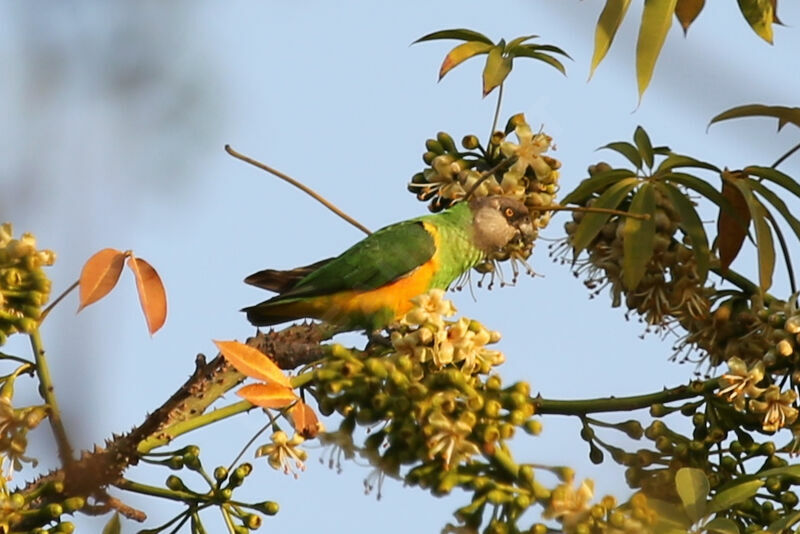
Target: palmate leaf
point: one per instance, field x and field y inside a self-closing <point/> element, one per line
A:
<point x="607" y="26"/>
<point x="656" y="22"/>
<point x="785" y="115"/>
<point x="692" y="226"/>
<point x="701" y="187"/>
<point x="592" y="223"/>
<point x="638" y="236"/>
<point x="500" y="55"/>
<point x="687" y="11"/>
<point x="760" y="15"/>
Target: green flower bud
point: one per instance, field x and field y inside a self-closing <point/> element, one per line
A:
<point x="533" y="427"/>
<point x="175" y="483"/>
<point x="447" y="142"/>
<point x="52" y="511"/>
<point x="267" y="507"/>
<point x="432" y="145"/>
<point x="220" y="473"/>
<point x="73" y="504"/>
<point x="470" y="142"/>
<point x="252" y="521"/>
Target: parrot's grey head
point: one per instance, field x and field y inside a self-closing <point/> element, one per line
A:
<point x="497" y="220"/>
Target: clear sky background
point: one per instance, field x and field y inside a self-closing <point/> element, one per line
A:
<point x="115" y="117"/>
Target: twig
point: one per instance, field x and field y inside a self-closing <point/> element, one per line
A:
<point x="783" y="158"/>
<point x="486" y="174"/>
<point x="65" y="452"/>
<point x="497" y="110"/>
<point x="316" y="196"/>
<point x="58" y="299"/>
<point x="590" y="209"/>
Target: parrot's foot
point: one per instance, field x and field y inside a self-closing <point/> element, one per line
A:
<point x="377" y="338"/>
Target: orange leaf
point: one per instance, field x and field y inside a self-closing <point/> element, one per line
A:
<point x="152" y="295"/>
<point x="252" y="362"/>
<point x="99" y="275"/>
<point x="267" y="395"/>
<point x="731" y="230"/>
<point x="304" y="420"/>
<point x="687" y="11"/>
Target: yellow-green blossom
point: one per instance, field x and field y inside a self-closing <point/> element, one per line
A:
<point x="568" y="505"/>
<point x="776" y="407"/>
<point x="450" y="439"/>
<point x="283" y="453"/>
<point x="429" y="308"/>
<point x="740" y="382"/>
<point x="529" y="151"/>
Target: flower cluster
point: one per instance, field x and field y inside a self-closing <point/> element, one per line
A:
<point x="426" y="336"/>
<point x="24" y="288"/>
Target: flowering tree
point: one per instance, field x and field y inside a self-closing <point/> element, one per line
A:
<point x="428" y="386"/>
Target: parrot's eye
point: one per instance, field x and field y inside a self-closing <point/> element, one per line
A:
<point x="509" y="212"/>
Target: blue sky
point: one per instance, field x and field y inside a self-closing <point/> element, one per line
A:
<point x="115" y="125"/>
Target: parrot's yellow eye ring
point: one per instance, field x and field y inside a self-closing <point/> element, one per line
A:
<point x="509" y="212"/>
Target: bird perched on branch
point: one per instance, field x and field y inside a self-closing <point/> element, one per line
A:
<point x="371" y="284"/>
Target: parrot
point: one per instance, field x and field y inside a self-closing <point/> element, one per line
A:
<point x="371" y="284"/>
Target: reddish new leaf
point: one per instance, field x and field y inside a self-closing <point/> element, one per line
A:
<point x="304" y="420"/>
<point x="267" y="395"/>
<point x="99" y="275"/>
<point x="731" y="227"/>
<point x="152" y="295"/>
<point x="252" y="362"/>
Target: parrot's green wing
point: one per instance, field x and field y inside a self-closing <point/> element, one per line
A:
<point x="382" y="257"/>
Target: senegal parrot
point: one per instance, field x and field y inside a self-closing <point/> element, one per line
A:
<point x="371" y="284"/>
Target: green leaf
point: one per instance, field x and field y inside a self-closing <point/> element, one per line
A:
<point x="462" y="53"/>
<point x="722" y="525"/>
<point x="687" y="11"/>
<point x="497" y="68"/>
<point x="592" y="223"/>
<point x="701" y="187"/>
<point x="781" y="525"/>
<point x="644" y="145"/>
<point x="627" y="150"/>
<point x="725" y="499"/>
<point x="526" y="51"/>
<point x="596" y="183"/>
<point x="674" y="161"/>
<point x="788" y="470"/>
<point x="519" y="41"/>
<point x="656" y="21"/>
<point x="692" y="485"/>
<point x="547" y="48"/>
<point x="460" y="34"/>
<point x="113" y="526"/>
<point x="638" y="236"/>
<point x="607" y="25"/>
<point x="764" y="242"/>
<point x="760" y="16"/>
<point x="779" y="204"/>
<point x="785" y="115"/>
<point x="692" y="226"/>
<point x="669" y="517"/>
<point x="774" y="175"/>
